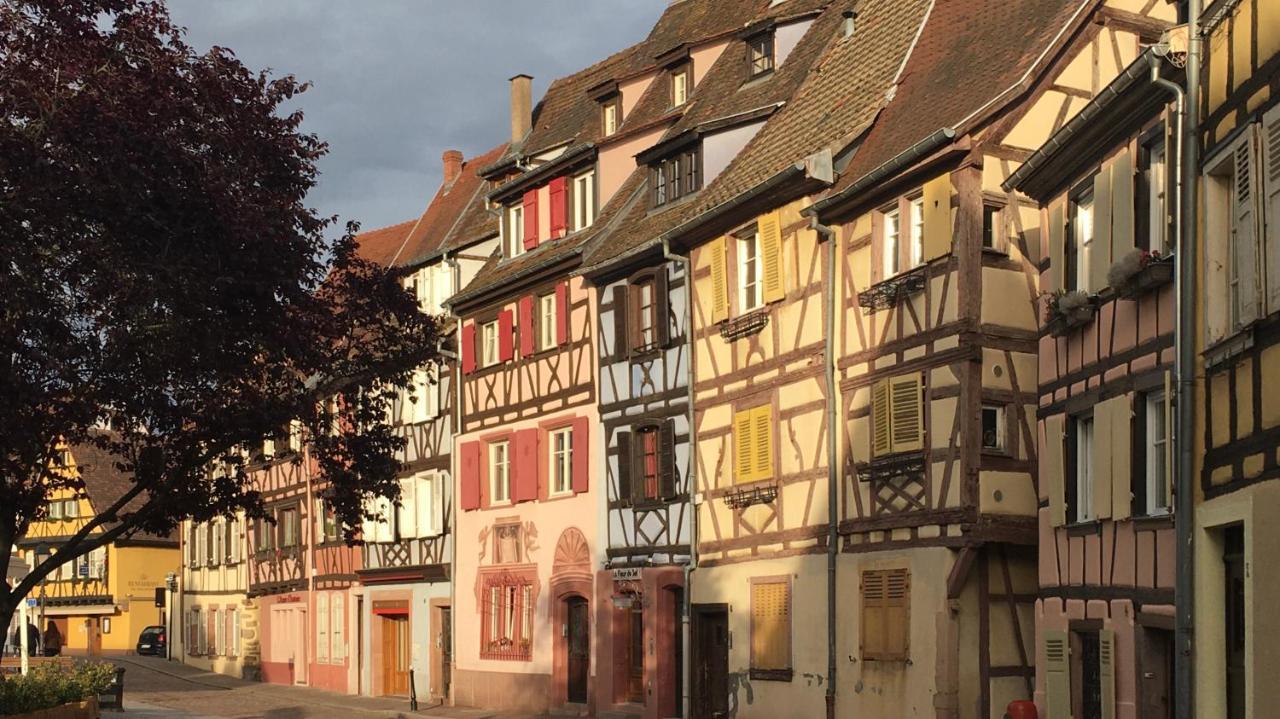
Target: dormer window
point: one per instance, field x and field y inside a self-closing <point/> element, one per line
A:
<point x="676" y="176"/>
<point x="681" y="79"/>
<point x="760" y="54"/>
<point x="610" y="114"/>
<point x="515" y="231"/>
<point x="584" y="200"/>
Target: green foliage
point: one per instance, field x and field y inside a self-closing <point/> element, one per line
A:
<point x="51" y="684"/>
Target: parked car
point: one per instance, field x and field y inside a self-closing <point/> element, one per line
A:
<point x="152" y="641"/>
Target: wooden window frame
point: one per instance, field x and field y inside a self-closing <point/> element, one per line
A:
<point x="485" y="360"/>
<point x="748" y="237"/>
<point x="1002" y="428"/>
<point x="1071" y="472"/>
<point x="639" y="480"/>
<point x="545" y="317"/>
<point x="584" y="202"/>
<point x="1076" y="273"/>
<point x="560" y="462"/>
<point x="761" y="54"/>
<point x="777" y="674"/>
<point x="613" y="102"/>
<point x="995" y="235"/>
<point x="1153" y="138"/>
<point x="635" y="313"/>
<point x="675" y="177"/>
<point x="490" y="446"/>
<point x="513" y="238"/>
<point x="1146" y="451"/>
<point x="685" y="70"/>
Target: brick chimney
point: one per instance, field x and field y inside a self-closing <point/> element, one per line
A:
<point x="452" y="166"/>
<point x="521" y="106"/>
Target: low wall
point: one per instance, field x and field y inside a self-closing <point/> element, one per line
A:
<point x="87" y="709"/>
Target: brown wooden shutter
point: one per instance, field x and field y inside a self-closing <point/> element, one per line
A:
<point x="1122" y="206"/>
<point x="905" y="398"/>
<point x="1100" y="255"/>
<point x="667" y="460"/>
<point x="526" y="325"/>
<point x="1052" y="468"/>
<point x="719" y="280"/>
<point x="886" y="598"/>
<point x="769" y="232"/>
<point x="881" y="442"/>
<point x="581" y="456"/>
<point x="622" y="440"/>
<point x="506" y="336"/>
<point x="743" y="464"/>
<point x="771" y="625"/>
<point x="469" y="466"/>
<point x="661" y="309"/>
<point x="937" y="218"/>
<point x="762" y="437"/>
<point x="621" y="337"/>
<point x="1057" y="258"/>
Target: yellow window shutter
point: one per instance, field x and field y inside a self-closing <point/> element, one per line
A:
<point x="1057" y="674"/>
<point x="769" y="230"/>
<point x="1122" y="227"/>
<point x="937" y="217"/>
<point x="1103" y="422"/>
<point x="873" y="614"/>
<point x="1107" y="672"/>
<point x="762" y="419"/>
<point x="770" y="625"/>
<point x="1122" y="457"/>
<point x="897" y="625"/>
<point x="1052" y="465"/>
<point x="1100" y="257"/>
<point x="1057" y="258"/>
<point x="904" y="398"/>
<point x="744" y="465"/>
<point x="880" y="417"/>
<point x="719" y="281"/>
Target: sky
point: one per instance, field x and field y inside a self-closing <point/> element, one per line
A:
<point x="398" y="82"/>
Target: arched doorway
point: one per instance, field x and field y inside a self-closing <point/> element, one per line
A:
<point x="578" y="640"/>
<point x="572" y="590"/>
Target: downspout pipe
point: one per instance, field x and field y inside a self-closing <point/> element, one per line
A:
<point x="689" y="568"/>
<point x="1188" y="264"/>
<point x="828" y="235"/>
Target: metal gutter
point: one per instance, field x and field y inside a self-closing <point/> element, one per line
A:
<point x="541" y="171"/>
<point x="795" y="171"/>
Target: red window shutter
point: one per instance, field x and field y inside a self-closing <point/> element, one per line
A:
<point x="526" y="326"/>
<point x="530" y="219"/>
<point x="505" y="340"/>
<point x="470" y="468"/>
<point x="562" y="313"/>
<point x="469" y="348"/>
<point x="525" y="466"/>
<point x="581" y="453"/>
<point x="559" y="223"/>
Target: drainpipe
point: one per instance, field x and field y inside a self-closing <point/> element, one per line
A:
<point x="455" y="388"/>
<point x="828" y="235"/>
<point x="691" y="479"/>
<point x="1184" y="488"/>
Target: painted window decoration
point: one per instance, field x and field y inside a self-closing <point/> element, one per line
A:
<point x="753" y="444"/>
<point x="507" y="543"/>
<point x="675" y="177"/>
<point x="897" y="415"/>
<point x="681" y="79"/>
<point x="507" y="618"/>
<point x="561" y="458"/>
<point x="771" y="629"/>
<point x="760" y="54"/>
<point x="646" y="463"/>
<point x="886" y="602"/>
<point x="584" y="200"/>
<point x="499" y="472"/>
<point x="993" y="428"/>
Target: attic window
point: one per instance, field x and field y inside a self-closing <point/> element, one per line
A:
<point x="681" y="79"/>
<point x="760" y="54"/>
<point x="676" y="176"/>
<point x="610" y="115"/>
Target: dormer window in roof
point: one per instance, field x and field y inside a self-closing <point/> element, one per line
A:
<point x="676" y="176"/>
<point x="610" y="114"/>
<point x="681" y="84"/>
<point x="760" y="54"/>
<point x="513" y="231"/>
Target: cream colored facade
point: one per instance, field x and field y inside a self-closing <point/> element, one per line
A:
<point x="213" y="600"/>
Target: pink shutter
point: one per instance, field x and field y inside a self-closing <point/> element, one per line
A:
<point x="530" y="219"/>
<point x="562" y="313"/>
<point x="581" y="453"/>
<point x="525" y="466"/>
<point x="559" y="225"/>
<point x="469" y="348"/>
<point x="470" y="480"/>
<point x="526" y="326"/>
<point x="505" y="343"/>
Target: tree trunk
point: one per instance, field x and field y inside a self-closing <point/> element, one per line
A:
<point x="8" y="607"/>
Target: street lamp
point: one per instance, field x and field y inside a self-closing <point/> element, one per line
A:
<point x="171" y="583"/>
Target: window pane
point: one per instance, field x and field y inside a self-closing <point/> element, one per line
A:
<point x="891" y="243"/>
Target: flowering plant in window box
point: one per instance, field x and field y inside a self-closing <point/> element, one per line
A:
<point x="1140" y="271"/>
<point x="1067" y="309"/>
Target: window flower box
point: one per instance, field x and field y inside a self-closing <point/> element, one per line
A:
<point x="888" y="293"/>
<point x="744" y="326"/>
<point x="1065" y="311"/>
<point x="1140" y="272"/>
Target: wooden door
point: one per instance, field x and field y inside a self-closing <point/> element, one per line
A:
<point x="677" y="666"/>
<point x="579" y="639"/>
<point x="711" y="662"/>
<point x="446" y="652"/>
<point x="635" y="651"/>
<point x="93" y="628"/>
<point x="300" y="632"/>
<point x="1233" y="559"/>
<point x="1156" y="666"/>
<point x="395" y="655"/>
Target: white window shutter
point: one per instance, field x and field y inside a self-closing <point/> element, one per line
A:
<point x="369" y="527"/>
<point x="1057" y="673"/>
<point x="338" y="635"/>
<point x="386" y="510"/>
<point x="437" y="504"/>
<point x="425" y="508"/>
<point x="408" y="509"/>
<point x="234" y="550"/>
<point x="322" y="626"/>
<point x="1270" y="194"/>
<point x="1244" y="221"/>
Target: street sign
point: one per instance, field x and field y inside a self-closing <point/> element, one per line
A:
<point x="31" y="602"/>
<point x="626" y="574"/>
<point x="160" y="596"/>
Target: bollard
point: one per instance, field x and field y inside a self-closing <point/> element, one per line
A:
<point x="413" y="692"/>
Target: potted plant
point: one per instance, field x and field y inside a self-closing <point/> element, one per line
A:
<point x="1067" y="309"/>
<point x="1140" y="271"/>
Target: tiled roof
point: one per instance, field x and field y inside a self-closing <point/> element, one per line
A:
<point x="970" y="53"/>
<point x="833" y="88"/>
<point x="104" y="483"/>
<point x="456" y="217"/>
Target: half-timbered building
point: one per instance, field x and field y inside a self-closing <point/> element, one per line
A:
<point x="936" y="307"/>
<point x="403" y="603"/>
<point x="1238" y="310"/>
<point x="213" y="598"/>
<point x="1107" y="552"/>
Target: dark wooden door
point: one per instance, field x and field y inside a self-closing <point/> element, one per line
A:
<point x="1233" y="559"/>
<point x="446" y="651"/>
<point x="711" y="663"/>
<point x="635" y="652"/>
<point x="1156" y="666"/>
<point x="579" y="638"/>
<point x="93" y="626"/>
<point x="677" y="625"/>
<point x="395" y="655"/>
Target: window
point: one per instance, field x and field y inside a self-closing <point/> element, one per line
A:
<point x="232" y="632"/>
<point x="771" y="629"/>
<point x="992" y="228"/>
<point x="886" y="603"/>
<point x="750" y="287"/>
<point x="675" y="177"/>
<point x="1235" y="619"/>
<point x="217" y="533"/>
<point x="1157" y="456"/>
<point x="547" y="321"/>
<point x="1082" y="428"/>
<point x="753" y="444"/>
<point x="584" y="200"/>
<point x="561" y="460"/>
<point x="70" y="508"/>
<point x="338" y="629"/>
<point x="644" y="314"/>
<point x="610" y="115"/>
<point x="897" y="415"/>
<point x="289" y="527"/>
<point x="219" y="644"/>
<point x="506" y="626"/>
<point x="915" y="248"/>
<point x="892" y="220"/>
<point x="648" y="463"/>
<point x="200" y="633"/>
<point x="266" y="536"/>
<point x="322" y="627"/>
<point x="760" y="54"/>
<point x="993" y="428"/>
<point x="515" y="230"/>
<point x="1153" y="201"/>
<point x="499" y="479"/>
<point x="489" y="344"/>
<point x="55" y="510"/>
<point x="420" y="401"/>
<point x="680" y="78"/>
<point x="326" y="522"/>
<point x="1081" y="239"/>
